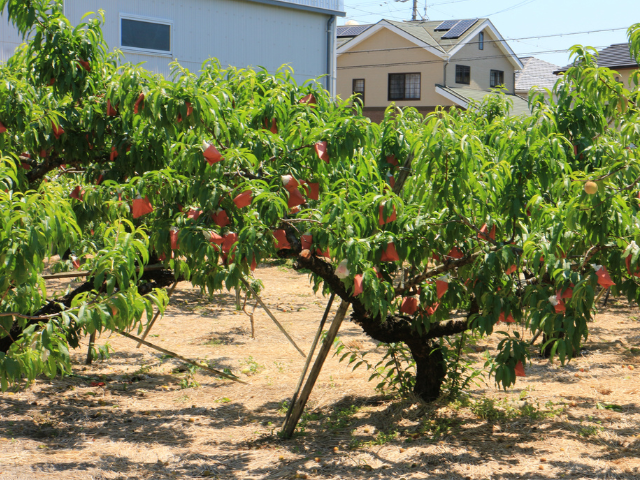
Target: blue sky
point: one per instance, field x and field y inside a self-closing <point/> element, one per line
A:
<point x="519" y="19"/>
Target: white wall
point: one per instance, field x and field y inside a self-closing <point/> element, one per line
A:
<point x="237" y="32"/>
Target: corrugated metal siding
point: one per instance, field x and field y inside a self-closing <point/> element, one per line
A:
<point x="325" y="4"/>
<point x="238" y="33"/>
<point x="9" y="37"/>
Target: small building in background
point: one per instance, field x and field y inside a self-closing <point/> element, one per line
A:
<point x="616" y="57"/>
<point x="535" y="74"/>
<point x="425" y="64"/>
<point x="240" y="33"/>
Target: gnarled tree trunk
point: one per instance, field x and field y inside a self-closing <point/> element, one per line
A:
<point x="430" y="370"/>
<point x="430" y="366"/>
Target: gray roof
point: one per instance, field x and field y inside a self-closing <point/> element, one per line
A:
<point x="426" y="32"/>
<point x="617" y="55"/>
<point x="351" y="30"/>
<point x="535" y="73"/>
<point x="419" y="29"/>
<point x="465" y="95"/>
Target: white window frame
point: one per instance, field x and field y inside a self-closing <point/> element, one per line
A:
<point x="142" y="18"/>
<point x="481" y="41"/>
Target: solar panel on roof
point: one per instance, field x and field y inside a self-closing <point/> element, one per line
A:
<point x="351" y="30"/>
<point x="458" y="30"/>
<point x="446" y="25"/>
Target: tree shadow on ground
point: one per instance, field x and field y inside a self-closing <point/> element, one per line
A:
<point x="347" y="440"/>
<point x="356" y="438"/>
<point x="189" y="466"/>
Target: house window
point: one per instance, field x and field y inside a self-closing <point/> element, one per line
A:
<point x="463" y="74"/>
<point x="404" y="86"/>
<point x="481" y="41"/>
<point x="497" y="78"/>
<point x="141" y="33"/>
<point x="358" y="89"/>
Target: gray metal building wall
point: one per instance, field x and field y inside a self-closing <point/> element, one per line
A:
<point x="240" y="33"/>
<point x="9" y="39"/>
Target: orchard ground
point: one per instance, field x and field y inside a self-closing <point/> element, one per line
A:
<point x="577" y="421"/>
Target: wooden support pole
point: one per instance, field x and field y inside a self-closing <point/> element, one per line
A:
<point x="92" y="340"/>
<point x="405" y="171"/>
<point x="86" y="273"/>
<point x="275" y="320"/>
<point x="179" y="357"/>
<point x="606" y="297"/>
<point x="535" y="337"/>
<point x="310" y="355"/>
<point x="250" y="315"/>
<point x="298" y="408"/>
<point x="155" y="317"/>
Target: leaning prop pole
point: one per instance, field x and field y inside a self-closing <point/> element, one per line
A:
<point x="298" y="407"/>
<point x="148" y="329"/>
<point x="181" y="358"/>
<point x="92" y="340"/>
<point x="310" y="356"/>
<point x="266" y="309"/>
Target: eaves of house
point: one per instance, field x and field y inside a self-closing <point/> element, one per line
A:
<point x="330" y="7"/>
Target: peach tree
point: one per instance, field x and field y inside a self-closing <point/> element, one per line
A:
<point x="429" y="227"/>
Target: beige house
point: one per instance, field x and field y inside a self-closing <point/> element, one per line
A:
<point x="424" y="64"/>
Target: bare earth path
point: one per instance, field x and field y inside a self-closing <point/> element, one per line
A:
<point x="578" y="421"/>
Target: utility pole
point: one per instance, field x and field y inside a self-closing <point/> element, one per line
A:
<point x="414" y="12"/>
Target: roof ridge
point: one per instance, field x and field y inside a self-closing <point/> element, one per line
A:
<point x="437" y="44"/>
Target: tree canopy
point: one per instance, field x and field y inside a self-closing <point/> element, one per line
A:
<point x="142" y="180"/>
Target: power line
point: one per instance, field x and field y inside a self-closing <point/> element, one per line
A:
<point x="494" y="41"/>
<point x="513" y="7"/>
<point x="399" y="17"/>
<point x="368" y="13"/>
<point x="470" y="59"/>
<point x="394" y="1"/>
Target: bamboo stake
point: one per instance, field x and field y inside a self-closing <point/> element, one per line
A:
<point x="310" y="356"/>
<point x="155" y="317"/>
<point x="180" y="357"/>
<point x="275" y="320"/>
<point x="296" y="412"/>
